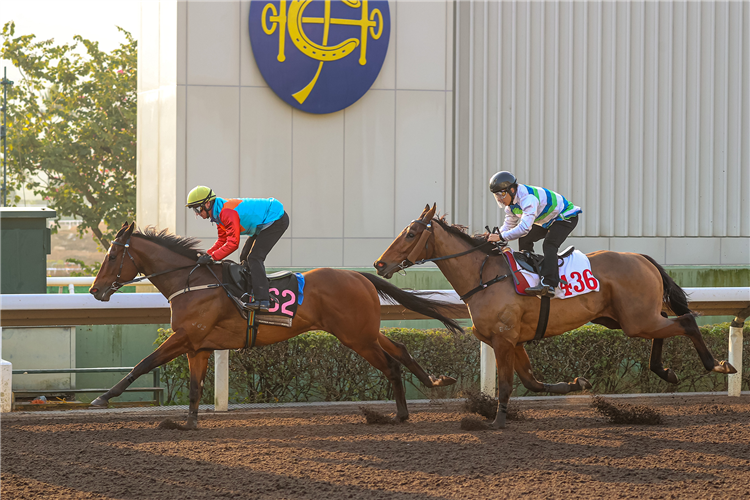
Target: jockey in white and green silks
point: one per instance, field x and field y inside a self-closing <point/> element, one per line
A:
<point x="533" y="213"/>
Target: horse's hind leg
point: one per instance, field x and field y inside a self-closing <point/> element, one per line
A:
<point x="198" y="363"/>
<point x="398" y="351"/>
<point x="523" y="369"/>
<point x="656" y="364"/>
<point x="655" y="361"/>
<point x="377" y="357"/>
<point x="175" y="345"/>
<point x="685" y="325"/>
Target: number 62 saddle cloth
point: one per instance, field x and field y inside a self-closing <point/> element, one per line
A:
<point x="286" y="290"/>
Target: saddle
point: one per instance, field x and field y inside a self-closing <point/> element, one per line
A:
<point x="238" y="281"/>
<point x="532" y="262"/>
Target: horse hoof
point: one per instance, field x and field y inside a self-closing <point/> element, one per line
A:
<point x="444" y="381"/>
<point x="583" y="383"/>
<point x="99" y="403"/>
<point x="497" y="425"/>
<point x="725" y="367"/>
<point x="671" y="377"/>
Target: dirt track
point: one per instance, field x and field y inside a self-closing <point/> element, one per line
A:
<point x="561" y="450"/>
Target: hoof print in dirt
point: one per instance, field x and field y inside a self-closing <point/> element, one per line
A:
<point x="474" y="424"/>
<point x="623" y="413"/>
<point x="171" y="425"/>
<point x="486" y="406"/>
<point x="373" y="417"/>
<point x="716" y="409"/>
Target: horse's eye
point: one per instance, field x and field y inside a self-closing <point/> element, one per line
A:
<point x="112" y="257"/>
<point x="410" y="235"/>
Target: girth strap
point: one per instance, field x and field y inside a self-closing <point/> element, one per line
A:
<point x="541" y="326"/>
<point x="252" y="324"/>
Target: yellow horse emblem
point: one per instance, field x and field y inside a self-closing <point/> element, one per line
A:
<point x="294" y="19"/>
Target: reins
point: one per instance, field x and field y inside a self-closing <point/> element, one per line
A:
<point x="406" y="263"/>
<point x="116" y="285"/>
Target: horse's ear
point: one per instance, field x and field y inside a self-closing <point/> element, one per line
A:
<point x="426" y="208"/>
<point x="124" y="228"/>
<point x="130" y="229"/>
<point x="430" y="213"/>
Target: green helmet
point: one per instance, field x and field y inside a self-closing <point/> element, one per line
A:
<point x="199" y="195"/>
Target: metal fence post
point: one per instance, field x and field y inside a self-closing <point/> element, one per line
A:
<point x="735" y="352"/>
<point x="6" y="386"/>
<point x="221" y="380"/>
<point x="487" y="370"/>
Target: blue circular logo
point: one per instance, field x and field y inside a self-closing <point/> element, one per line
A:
<point x="320" y="56"/>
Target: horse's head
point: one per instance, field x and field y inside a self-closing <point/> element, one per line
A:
<point x="409" y="245"/>
<point x="118" y="266"/>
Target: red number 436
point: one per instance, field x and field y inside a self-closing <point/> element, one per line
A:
<point x="579" y="283"/>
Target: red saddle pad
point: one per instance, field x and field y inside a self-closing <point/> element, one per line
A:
<point x="519" y="280"/>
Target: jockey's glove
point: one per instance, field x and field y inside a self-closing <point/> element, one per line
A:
<point x="205" y="259"/>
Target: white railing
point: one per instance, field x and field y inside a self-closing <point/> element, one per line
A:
<point x="72" y="281"/>
<point x="153" y="308"/>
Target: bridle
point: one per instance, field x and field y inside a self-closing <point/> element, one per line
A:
<point x="423" y="244"/>
<point x="419" y="247"/>
<point x="116" y="285"/>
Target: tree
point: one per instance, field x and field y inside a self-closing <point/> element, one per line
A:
<point x="72" y="127"/>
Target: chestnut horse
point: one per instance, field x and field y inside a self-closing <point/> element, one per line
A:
<point x="632" y="289"/>
<point x="343" y="303"/>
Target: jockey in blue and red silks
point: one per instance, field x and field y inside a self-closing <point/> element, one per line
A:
<point x="262" y="219"/>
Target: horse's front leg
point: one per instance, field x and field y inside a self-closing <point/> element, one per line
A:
<point x="198" y="363"/>
<point x="523" y="369"/>
<point x="504" y="353"/>
<point x="175" y="345"/>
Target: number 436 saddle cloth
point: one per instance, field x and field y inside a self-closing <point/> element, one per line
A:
<point x="574" y="268"/>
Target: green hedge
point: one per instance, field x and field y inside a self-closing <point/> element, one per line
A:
<point x="316" y="367"/>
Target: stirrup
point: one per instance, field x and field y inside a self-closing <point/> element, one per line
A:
<point x="258" y="305"/>
<point x="541" y="289"/>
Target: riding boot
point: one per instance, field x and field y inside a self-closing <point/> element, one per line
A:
<point x="550" y="275"/>
<point x="261" y="301"/>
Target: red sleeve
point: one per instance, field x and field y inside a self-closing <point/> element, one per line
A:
<point x="229" y="235"/>
<point x="219" y="243"/>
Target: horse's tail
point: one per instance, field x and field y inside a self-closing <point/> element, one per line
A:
<point x="415" y="301"/>
<point x="674" y="296"/>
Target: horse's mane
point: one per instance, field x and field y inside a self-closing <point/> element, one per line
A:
<point x="460" y="231"/>
<point x="183" y="245"/>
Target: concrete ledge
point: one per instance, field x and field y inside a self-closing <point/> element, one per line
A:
<point x="153" y="308"/>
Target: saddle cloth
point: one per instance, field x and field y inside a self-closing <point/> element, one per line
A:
<point x="285" y="287"/>
<point x="575" y="274"/>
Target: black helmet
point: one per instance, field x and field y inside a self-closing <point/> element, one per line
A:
<point x="501" y="181"/>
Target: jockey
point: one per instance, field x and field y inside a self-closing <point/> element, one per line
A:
<point x="533" y="213"/>
<point x="262" y="219"/>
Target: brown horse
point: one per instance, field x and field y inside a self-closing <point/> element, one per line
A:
<point x="632" y="290"/>
<point x="343" y="303"/>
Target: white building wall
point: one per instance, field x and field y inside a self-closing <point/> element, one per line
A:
<point x="635" y="111"/>
<point x="350" y="180"/>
